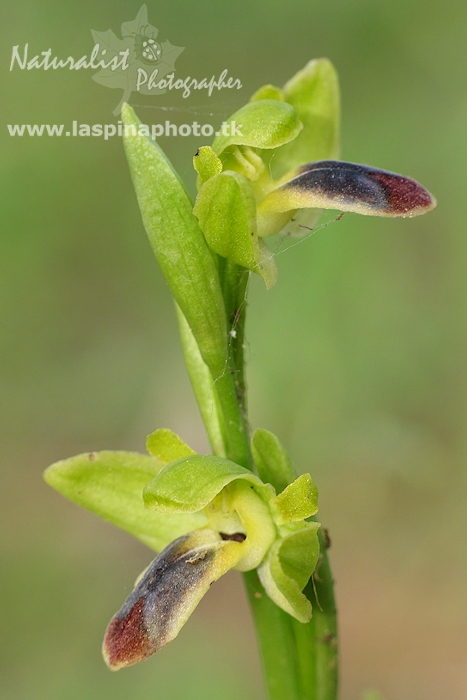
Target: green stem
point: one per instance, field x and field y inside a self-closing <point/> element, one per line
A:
<point x="234" y="280"/>
<point x="221" y="400"/>
<point x="299" y="660"/>
<point x="277" y="642"/>
<point x="317" y="640"/>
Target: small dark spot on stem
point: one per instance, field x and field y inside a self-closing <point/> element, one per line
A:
<point x="328" y="638"/>
<point x="91" y="456"/>
<point x="326" y="538"/>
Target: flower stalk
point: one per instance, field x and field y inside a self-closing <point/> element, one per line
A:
<point x="243" y="507"/>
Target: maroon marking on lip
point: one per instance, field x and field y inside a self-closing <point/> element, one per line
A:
<point x="126" y="640"/>
<point x="404" y="194"/>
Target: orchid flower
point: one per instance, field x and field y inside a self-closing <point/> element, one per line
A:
<point x="281" y="132"/>
<point x="208" y="515"/>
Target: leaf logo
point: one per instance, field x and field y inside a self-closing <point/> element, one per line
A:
<point x="139" y="41"/>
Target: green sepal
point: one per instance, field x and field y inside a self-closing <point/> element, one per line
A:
<point x="189" y="484"/>
<point x="268" y="92"/>
<point x="262" y="124"/>
<point x="272" y="461"/>
<point x="206" y="163"/>
<point x="226" y="211"/>
<point x="297" y="501"/>
<point x="167" y="446"/>
<point x="110" y="484"/>
<point x="314" y="94"/>
<point x="288" y="568"/>
<point x="178" y="244"/>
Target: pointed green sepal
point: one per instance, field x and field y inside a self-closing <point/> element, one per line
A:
<point x="272" y="461"/>
<point x="226" y="211"/>
<point x="178" y="244"/>
<point x="167" y="446"/>
<point x="296" y="502"/>
<point x="261" y="124"/>
<point x="110" y="484"/>
<point x="190" y="484"/>
<point x="314" y="94"/>
<point x="288" y="568"/>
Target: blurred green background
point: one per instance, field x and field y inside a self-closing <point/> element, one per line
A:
<point x="356" y="358"/>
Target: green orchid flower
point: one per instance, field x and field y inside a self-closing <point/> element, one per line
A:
<point x="281" y="171"/>
<point x="208" y="515"/>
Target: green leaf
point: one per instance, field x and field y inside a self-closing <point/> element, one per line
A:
<point x="297" y="501"/>
<point x="272" y="461"/>
<point x="189" y="484"/>
<point x="261" y="124"/>
<point x="167" y="446"/>
<point x="110" y="484"/>
<point x="314" y="94"/>
<point x="288" y="568"/>
<point x="204" y="387"/>
<point x="178" y="244"/>
<point x="226" y="211"/>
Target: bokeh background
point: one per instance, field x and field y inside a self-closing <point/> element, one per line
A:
<point x="356" y="358"/>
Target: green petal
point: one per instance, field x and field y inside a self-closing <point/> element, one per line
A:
<point x="261" y="124"/>
<point x="272" y="461"/>
<point x="226" y="211"/>
<point x="167" y="446"/>
<point x="206" y="163"/>
<point x="189" y="484"/>
<point x="297" y="501"/>
<point x="178" y="244"/>
<point x="110" y="484"/>
<point x="268" y="92"/>
<point x="314" y="94"/>
<point x="288" y="568"/>
<point x="165" y="596"/>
